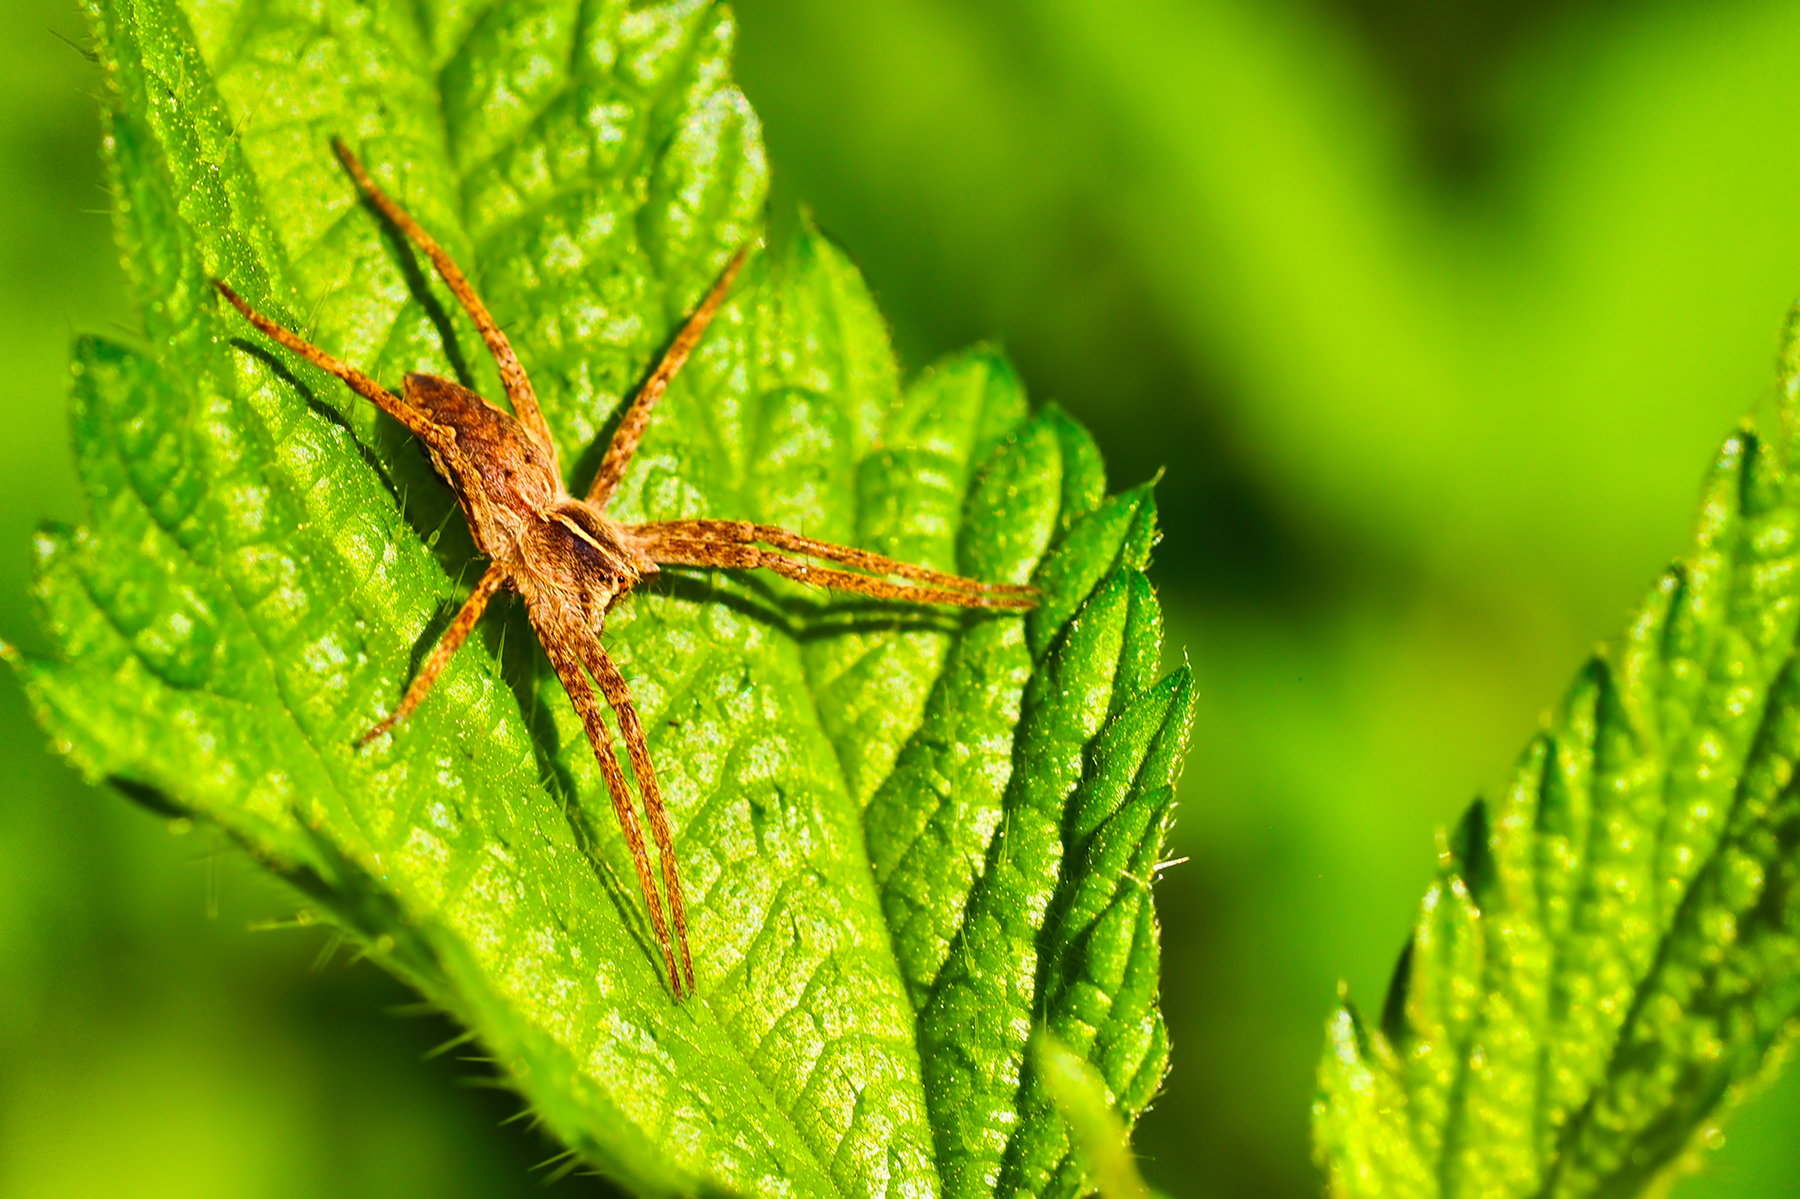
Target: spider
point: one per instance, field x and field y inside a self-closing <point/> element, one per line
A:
<point x="571" y="562"/>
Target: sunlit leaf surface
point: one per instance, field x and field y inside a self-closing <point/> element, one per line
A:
<point x="907" y="836"/>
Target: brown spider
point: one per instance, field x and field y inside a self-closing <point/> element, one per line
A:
<point x="570" y="561"/>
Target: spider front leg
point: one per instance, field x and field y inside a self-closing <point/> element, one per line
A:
<point x="416" y="422"/>
<point x="512" y="375"/>
<point x="733" y="545"/>
<point x="637" y="417"/>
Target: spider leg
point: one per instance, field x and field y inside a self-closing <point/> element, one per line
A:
<point x="454" y="636"/>
<point x="512" y="374"/>
<point x="612" y="685"/>
<point x="631" y="429"/>
<point x="730" y="544"/>
<point x="416" y="421"/>
<point x="566" y="659"/>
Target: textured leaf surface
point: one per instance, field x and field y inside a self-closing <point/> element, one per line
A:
<point x="1610" y="954"/>
<point x="907" y="836"/>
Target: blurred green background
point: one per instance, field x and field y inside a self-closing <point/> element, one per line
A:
<point x="1434" y="313"/>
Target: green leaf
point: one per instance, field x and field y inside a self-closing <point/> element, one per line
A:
<point x="885" y="816"/>
<point x="1609" y="958"/>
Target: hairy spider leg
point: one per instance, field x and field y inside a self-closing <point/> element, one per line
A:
<point x="512" y="374"/>
<point x="563" y="657"/>
<point x="612" y="685"/>
<point x="685" y="536"/>
<point x="427" y="431"/>
<point x="416" y="422"/>
<point x="675" y="546"/>
<point x="458" y="632"/>
<point x="637" y="417"/>
<point x="676" y="551"/>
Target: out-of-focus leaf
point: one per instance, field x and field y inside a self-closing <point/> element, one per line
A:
<point x="1083" y="1101"/>
<point x="1611" y="950"/>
